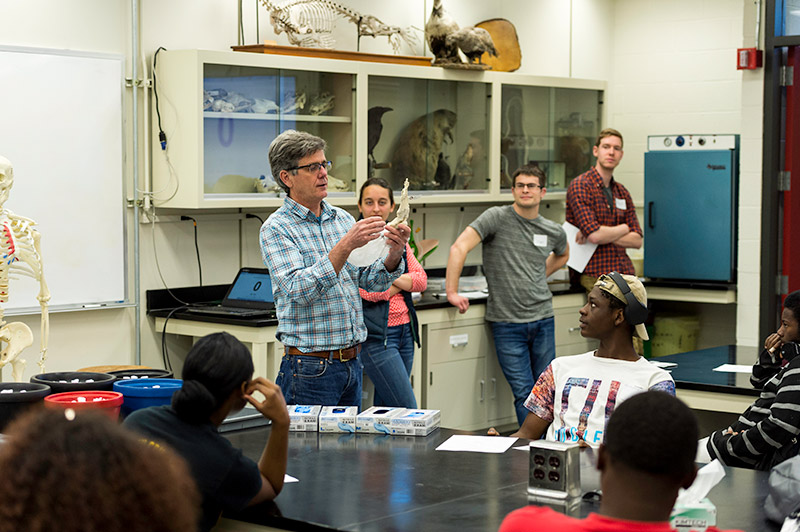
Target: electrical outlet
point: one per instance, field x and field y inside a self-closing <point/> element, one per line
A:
<point x="555" y="471"/>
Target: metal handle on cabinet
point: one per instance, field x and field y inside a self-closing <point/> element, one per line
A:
<point x="494" y="388"/>
<point x="431" y="378"/>
<point x="412" y="381"/>
<point x="483" y="386"/>
<point x="573" y="329"/>
<point x="650" y="215"/>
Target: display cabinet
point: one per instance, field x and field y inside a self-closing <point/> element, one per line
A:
<point x="435" y="134"/>
<point x="552" y="128"/>
<point x="456" y="135"/>
<point x="220" y="112"/>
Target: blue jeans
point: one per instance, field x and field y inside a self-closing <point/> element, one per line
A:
<point x="524" y="350"/>
<point x="388" y="365"/>
<point x="306" y="380"/>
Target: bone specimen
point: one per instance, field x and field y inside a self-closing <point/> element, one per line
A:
<point x="403" y="209"/>
<point x="309" y="23"/>
<point x="320" y="103"/>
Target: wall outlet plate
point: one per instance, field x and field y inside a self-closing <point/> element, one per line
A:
<point x="555" y="471"/>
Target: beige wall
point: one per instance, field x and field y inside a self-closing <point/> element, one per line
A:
<point x="669" y="66"/>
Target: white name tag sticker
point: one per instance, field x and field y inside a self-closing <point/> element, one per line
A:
<point x="620" y="203"/>
<point x="540" y="241"/>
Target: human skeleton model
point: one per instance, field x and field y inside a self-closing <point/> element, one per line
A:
<point x="309" y="23"/>
<point x="20" y="253"/>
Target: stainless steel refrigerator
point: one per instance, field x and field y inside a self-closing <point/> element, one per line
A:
<point x="690" y="191"/>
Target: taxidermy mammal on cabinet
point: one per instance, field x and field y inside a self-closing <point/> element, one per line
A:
<point x="417" y="150"/>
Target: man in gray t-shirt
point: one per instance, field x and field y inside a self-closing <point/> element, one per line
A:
<point x="520" y="250"/>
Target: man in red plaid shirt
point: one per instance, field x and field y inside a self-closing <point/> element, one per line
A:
<point x="603" y="211"/>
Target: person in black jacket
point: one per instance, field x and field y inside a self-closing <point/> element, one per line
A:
<point x="766" y="433"/>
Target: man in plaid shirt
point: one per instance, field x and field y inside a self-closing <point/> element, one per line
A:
<point x="603" y="211"/>
<point x="305" y="245"/>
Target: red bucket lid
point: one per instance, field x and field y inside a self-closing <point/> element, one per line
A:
<point x="84" y="399"/>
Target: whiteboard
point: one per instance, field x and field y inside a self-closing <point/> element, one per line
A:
<point x="61" y="127"/>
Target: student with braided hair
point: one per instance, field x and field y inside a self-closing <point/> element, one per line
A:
<point x="218" y="380"/>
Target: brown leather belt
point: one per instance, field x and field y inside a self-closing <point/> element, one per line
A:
<point x="341" y="355"/>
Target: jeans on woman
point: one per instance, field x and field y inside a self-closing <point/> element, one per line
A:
<point x="388" y="364"/>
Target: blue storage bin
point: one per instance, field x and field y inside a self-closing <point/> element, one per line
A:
<point x="142" y="393"/>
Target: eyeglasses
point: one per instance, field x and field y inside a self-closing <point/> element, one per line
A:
<point x="314" y="167"/>
<point x="523" y="186"/>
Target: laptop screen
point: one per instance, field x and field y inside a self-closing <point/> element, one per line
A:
<point x="252" y="288"/>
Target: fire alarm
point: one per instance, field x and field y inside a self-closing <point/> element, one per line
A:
<point x="748" y="58"/>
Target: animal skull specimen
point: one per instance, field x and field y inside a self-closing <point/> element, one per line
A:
<point x="20" y="253"/>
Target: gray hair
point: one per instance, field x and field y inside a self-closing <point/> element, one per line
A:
<point x="288" y="148"/>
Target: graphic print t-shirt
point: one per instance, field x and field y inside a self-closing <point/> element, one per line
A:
<point x="577" y="394"/>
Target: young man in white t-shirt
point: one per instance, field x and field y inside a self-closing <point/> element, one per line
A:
<point x="575" y="396"/>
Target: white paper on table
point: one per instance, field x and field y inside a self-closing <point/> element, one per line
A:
<point x="664" y="365"/>
<point x="734" y="368"/>
<point x="289" y="478"/>
<point x="579" y="254"/>
<point x="473" y="294"/>
<point x="477" y="444"/>
<point x="702" y="456"/>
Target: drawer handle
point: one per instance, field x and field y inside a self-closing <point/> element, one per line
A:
<point x="483" y="385"/>
<point x="459" y="340"/>
<point x="573" y="329"/>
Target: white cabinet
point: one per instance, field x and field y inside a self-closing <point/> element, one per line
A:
<point x="457" y="135"/>
<point x="464" y="380"/>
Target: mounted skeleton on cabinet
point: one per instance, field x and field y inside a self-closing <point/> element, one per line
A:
<point x="20" y="254"/>
<point x="309" y="23"/>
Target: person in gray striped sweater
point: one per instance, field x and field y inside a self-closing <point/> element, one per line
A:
<point x="767" y="432"/>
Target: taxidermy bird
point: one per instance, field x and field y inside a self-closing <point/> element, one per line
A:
<point x="473" y="42"/>
<point x="438" y="27"/>
<point x="419" y="146"/>
<point x="374" y="129"/>
<point x="443" y="177"/>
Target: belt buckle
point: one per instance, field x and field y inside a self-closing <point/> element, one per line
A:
<point x="340" y="352"/>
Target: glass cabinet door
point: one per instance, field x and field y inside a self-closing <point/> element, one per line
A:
<point x="245" y="108"/>
<point x="432" y="132"/>
<point x="552" y="128"/>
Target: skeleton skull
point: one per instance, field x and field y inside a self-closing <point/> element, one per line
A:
<point x="6" y="179"/>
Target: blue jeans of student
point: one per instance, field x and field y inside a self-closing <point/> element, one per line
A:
<point x="306" y="380"/>
<point x="524" y="350"/>
<point x="388" y="364"/>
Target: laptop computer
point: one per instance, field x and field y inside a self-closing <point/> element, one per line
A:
<point x="243" y="419"/>
<point x="250" y="295"/>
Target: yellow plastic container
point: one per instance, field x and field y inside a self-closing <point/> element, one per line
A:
<point x="675" y="334"/>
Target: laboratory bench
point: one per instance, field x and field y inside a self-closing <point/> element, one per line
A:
<point x="372" y="482"/>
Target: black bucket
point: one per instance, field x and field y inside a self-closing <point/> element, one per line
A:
<point x="132" y="374"/>
<point x="75" y="381"/>
<point x="23" y="395"/>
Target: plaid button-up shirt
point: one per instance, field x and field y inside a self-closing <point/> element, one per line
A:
<point x="317" y="309"/>
<point x="588" y="209"/>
